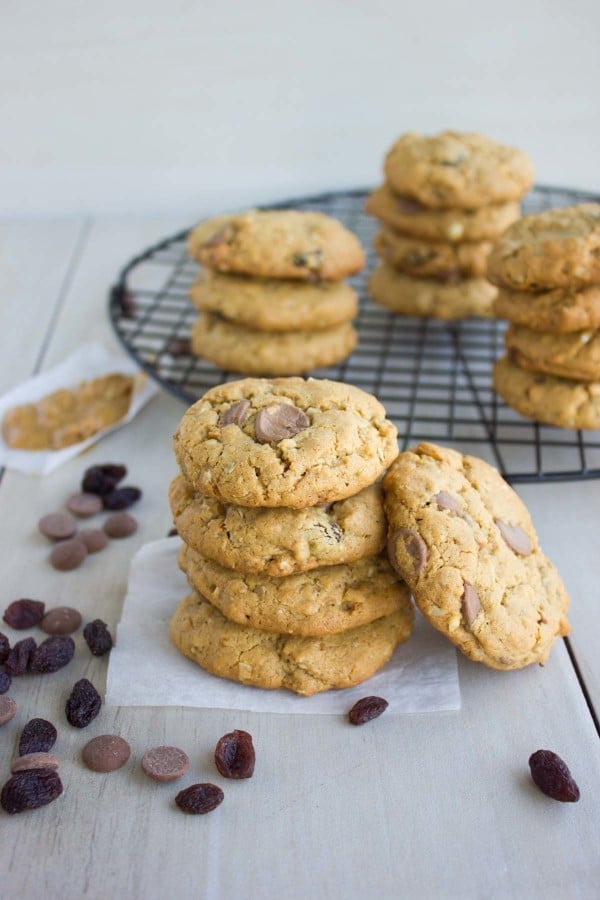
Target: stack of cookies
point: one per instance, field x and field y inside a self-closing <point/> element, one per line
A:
<point x="445" y="199"/>
<point x="548" y="270"/>
<point x="271" y="297"/>
<point x="465" y="544"/>
<point x="281" y="513"/>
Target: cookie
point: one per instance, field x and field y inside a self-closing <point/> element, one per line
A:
<point x="464" y="543"/>
<point x="454" y="169"/>
<point x="428" y="297"/>
<point x="432" y="259"/>
<point x="279" y="541"/>
<point x="559" y="311"/>
<point x="575" y="355"/>
<point x="547" y="398"/>
<point x="301" y="664"/>
<point x="410" y="217"/>
<point x="278" y="244"/>
<point x="237" y="349"/>
<point x="284" y="442"/>
<point x="323" y="601"/>
<point x="553" y="249"/>
<point x="267" y="304"/>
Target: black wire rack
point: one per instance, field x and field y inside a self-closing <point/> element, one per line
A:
<point x="434" y="378"/>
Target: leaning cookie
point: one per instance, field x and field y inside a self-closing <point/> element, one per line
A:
<point x="279" y="541"/>
<point x="428" y="297"/>
<point x="575" y="355"/>
<point x="427" y="259"/>
<point x="301" y="664"/>
<point x="284" y="442"/>
<point x="278" y="244"/>
<point x="560" y="311"/>
<point x="464" y="543"/>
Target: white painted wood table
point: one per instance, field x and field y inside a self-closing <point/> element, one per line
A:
<point x="437" y="805"/>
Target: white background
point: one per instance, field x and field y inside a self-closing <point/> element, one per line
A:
<point x="143" y="106"/>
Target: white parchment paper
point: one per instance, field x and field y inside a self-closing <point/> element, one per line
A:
<point x="145" y="669"/>
<point x="87" y="362"/>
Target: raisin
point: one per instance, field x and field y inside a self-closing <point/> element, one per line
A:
<point x="83" y="704"/>
<point x="178" y="347"/>
<point x="22" y="614"/>
<point x="97" y="637"/>
<point x="235" y="756"/>
<point x="102" y="479"/>
<point x="52" y="654"/>
<point x="5" y="682"/>
<point x="366" y="709"/>
<point x="38" y="736"/>
<point x="18" y="659"/>
<point x="30" y="789"/>
<point x="4" y="647"/>
<point x="199" y="798"/>
<point x="121" y="498"/>
<point x="552" y="776"/>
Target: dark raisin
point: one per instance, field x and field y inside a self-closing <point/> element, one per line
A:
<point x="52" y="654"/>
<point x="199" y="798"/>
<point x="552" y="776"/>
<point x="30" y="789"/>
<point x="178" y="347"/>
<point x="97" y="637"/>
<point x="102" y="479"/>
<point x="366" y="709"/>
<point x="18" y="659"/>
<point x="172" y="532"/>
<point x="235" y="756"/>
<point x="5" y="682"/>
<point x="83" y="704"/>
<point x="4" y="647"/>
<point x="121" y="498"/>
<point x="38" y="736"/>
<point x="22" y="614"/>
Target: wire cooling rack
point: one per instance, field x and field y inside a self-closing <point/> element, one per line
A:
<point x="434" y="378"/>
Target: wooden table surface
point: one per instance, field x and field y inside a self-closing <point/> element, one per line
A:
<point x="436" y="805"/>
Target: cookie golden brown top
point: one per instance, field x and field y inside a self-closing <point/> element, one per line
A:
<point x="464" y="543"/>
<point x="278" y="244"/>
<point x="284" y="442"/>
<point x="555" y="248"/>
<point x="454" y="169"/>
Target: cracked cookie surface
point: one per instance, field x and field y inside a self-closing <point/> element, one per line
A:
<point x="278" y="244"/>
<point x="575" y="355"/>
<point x="559" y="311"/>
<point x="305" y="665"/>
<point x="323" y="601"/>
<point x="279" y="541"/>
<point x="428" y="297"/>
<point x="548" y="398"/>
<point x="237" y="349"/>
<point x="465" y="544"/>
<point x="454" y="169"/>
<point x="420" y="258"/>
<point x="343" y="443"/>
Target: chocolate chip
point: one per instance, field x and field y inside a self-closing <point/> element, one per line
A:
<point x="165" y="763"/>
<point x="34" y="761"/>
<point x="413" y="544"/>
<point x="120" y="525"/>
<point x="21" y="614"/>
<point x="57" y="526"/>
<point x="106" y="753"/>
<point x="236" y="414"/>
<point x="94" y="539"/>
<point x="68" y="555"/>
<point x="471" y="604"/>
<point x="445" y="500"/>
<point x="61" y="620"/>
<point x="84" y="505"/>
<point x="516" y="537"/>
<point x="280" y="421"/>
<point x="8" y="708"/>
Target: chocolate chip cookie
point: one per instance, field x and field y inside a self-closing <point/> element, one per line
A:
<point x="305" y="665"/>
<point x="575" y="355"/>
<point x="464" y="543"/>
<point x="428" y="297"/>
<point x="279" y="541"/>
<point x="559" y="311"/>
<point x="284" y="442"/>
<point x="278" y="244"/>
<point x="425" y="259"/>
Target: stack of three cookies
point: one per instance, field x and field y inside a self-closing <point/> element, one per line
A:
<point x="281" y="513"/>
<point x="271" y="296"/>
<point x="445" y="199"/>
<point x="547" y="267"/>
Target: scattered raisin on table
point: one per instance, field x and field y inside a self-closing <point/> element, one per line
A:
<point x="83" y="704"/>
<point x="102" y="479"/>
<point x="19" y="657"/>
<point x="5" y="682"/>
<point x="24" y="613"/>
<point x="52" y="654"/>
<point x="121" y="498"/>
<point x="366" y="709"/>
<point x="38" y="736"/>
<point x="4" y="647"/>
<point x="235" y="756"/>
<point x="30" y="789"/>
<point x="551" y="774"/>
<point x="97" y="637"/>
<point x="199" y="798"/>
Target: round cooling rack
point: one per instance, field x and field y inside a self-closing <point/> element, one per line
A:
<point x="434" y="378"/>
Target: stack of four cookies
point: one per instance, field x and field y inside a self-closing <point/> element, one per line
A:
<point x="282" y="519"/>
